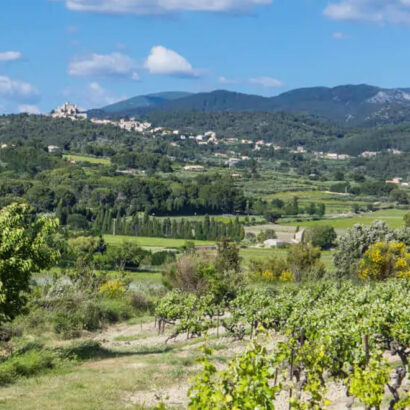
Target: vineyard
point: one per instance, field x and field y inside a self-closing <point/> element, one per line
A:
<point x="303" y="339"/>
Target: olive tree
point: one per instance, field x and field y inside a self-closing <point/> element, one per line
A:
<point x="23" y="251"/>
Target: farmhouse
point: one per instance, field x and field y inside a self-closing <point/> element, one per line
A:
<point x="194" y="168"/>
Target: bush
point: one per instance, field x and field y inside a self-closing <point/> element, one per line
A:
<point x="28" y="363"/>
<point x="385" y="260"/>
<point x="160" y="258"/>
<point x="80" y="350"/>
<point x="115" y="310"/>
<point x="304" y="262"/>
<point x="321" y="236"/>
<point x="140" y="303"/>
<point x="112" y="289"/>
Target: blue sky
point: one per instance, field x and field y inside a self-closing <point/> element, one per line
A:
<point x="95" y="52"/>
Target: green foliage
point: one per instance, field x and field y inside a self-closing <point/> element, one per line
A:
<point x="304" y="262"/>
<point x="321" y="236"/>
<point x="354" y="243"/>
<point x="368" y="384"/>
<point x="406" y="219"/>
<point x="28" y="364"/>
<point x="323" y="342"/>
<point x="23" y="251"/>
<point x="228" y="258"/>
<point x="247" y="383"/>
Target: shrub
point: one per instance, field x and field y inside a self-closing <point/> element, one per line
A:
<point x="112" y="289"/>
<point x="357" y="240"/>
<point x="268" y="270"/>
<point x="29" y="363"/>
<point x="67" y="324"/>
<point x="321" y="236"/>
<point x="385" y="260"/>
<point x="115" y="310"/>
<point x="140" y="302"/>
<point x="304" y="262"/>
<point x="160" y="258"/>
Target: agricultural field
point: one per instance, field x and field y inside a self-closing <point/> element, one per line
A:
<point x="393" y="217"/>
<point x="157" y="243"/>
<point x="89" y="159"/>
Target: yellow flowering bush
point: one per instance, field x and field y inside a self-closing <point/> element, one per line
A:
<point x="268" y="276"/>
<point x="286" y="276"/>
<point x="385" y="260"/>
<point x="112" y="289"/>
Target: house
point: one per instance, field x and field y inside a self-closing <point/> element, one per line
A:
<point x="396" y="181"/>
<point x="368" y="154"/>
<point x="210" y="134"/>
<point x="194" y="168"/>
<point x="53" y="148"/>
<point x="232" y="161"/>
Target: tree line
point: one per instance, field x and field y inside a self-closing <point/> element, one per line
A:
<point x="208" y="229"/>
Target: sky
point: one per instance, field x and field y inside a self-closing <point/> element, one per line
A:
<point x="96" y="52"/>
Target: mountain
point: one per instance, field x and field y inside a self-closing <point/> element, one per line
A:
<point x="351" y="105"/>
<point x="132" y="105"/>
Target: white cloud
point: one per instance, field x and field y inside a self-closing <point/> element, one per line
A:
<point x="99" y="96"/>
<point x="165" y="61"/>
<point x="141" y="7"/>
<point x="29" y="109"/>
<point x="10" y="56"/>
<point x="105" y="65"/>
<point x="267" y="82"/>
<point x="377" y="11"/>
<point x="17" y="90"/>
<point x="224" y="80"/>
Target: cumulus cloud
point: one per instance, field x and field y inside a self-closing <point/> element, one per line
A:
<point x="168" y="62"/>
<point x="99" y="96"/>
<point x="10" y="56"/>
<point x="17" y="90"/>
<point x="29" y="109"/>
<point x="266" y="82"/>
<point x="105" y="65"/>
<point x="378" y="11"/>
<point x="141" y="7"/>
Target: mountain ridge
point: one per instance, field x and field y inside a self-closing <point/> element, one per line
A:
<point x="351" y="105"/>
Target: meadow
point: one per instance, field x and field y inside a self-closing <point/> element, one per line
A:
<point x="89" y="159"/>
<point x="393" y="217"/>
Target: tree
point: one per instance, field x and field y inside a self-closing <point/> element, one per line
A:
<point x="23" y="251"/>
<point x="406" y="219"/>
<point x="355" y="242"/>
<point x="128" y="254"/>
<point x="399" y="196"/>
<point x="321" y="209"/>
<point x="228" y="258"/>
<point x="322" y="236"/>
<point x="304" y="262"/>
<point x="385" y="260"/>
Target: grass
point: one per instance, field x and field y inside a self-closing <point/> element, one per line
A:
<point x="91" y="160"/>
<point x="159" y="243"/>
<point x="263" y="253"/>
<point x="393" y="217"/>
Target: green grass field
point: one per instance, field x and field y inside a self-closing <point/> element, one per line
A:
<point x="261" y="253"/>
<point x="152" y="242"/>
<point x="91" y="160"/>
<point x="393" y="217"/>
